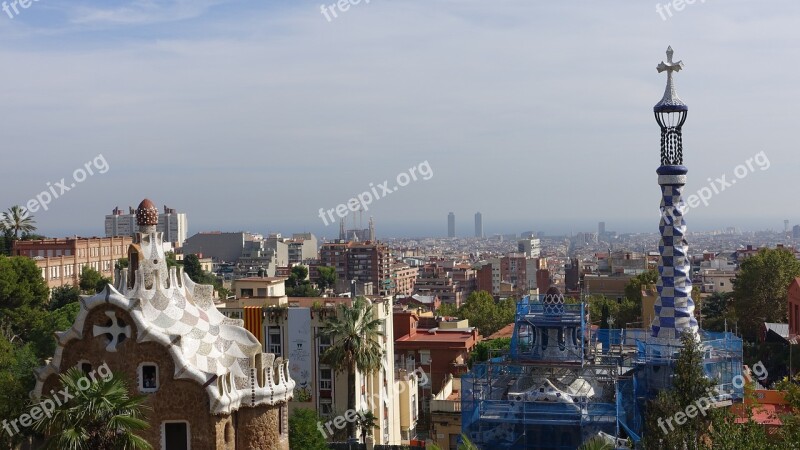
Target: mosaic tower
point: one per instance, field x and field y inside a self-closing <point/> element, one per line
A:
<point x="674" y="308"/>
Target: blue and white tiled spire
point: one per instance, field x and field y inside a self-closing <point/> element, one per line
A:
<point x="674" y="308"/>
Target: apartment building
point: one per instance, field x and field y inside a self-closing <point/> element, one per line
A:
<point x="364" y="262"/>
<point x="292" y="330"/>
<point x="62" y="260"/>
<point x="440" y="348"/>
<point x="173" y="224"/>
<point x="436" y="281"/>
<point x="404" y="278"/>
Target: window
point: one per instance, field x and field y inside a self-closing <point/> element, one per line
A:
<point x="246" y="293"/>
<point x="274" y="341"/>
<point x="262" y="292"/>
<point x="325" y="378"/>
<point x="148" y="377"/>
<point x="175" y="436"/>
<point x="324" y="344"/>
<point x="85" y="367"/>
<point x="326" y="407"/>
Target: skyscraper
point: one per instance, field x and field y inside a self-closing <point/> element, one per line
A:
<point x="601" y="229"/>
<point x="478" y="225"/>
<point x="451" y="225"/>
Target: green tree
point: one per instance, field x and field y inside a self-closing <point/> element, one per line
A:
<point x="689" y="384"/>
<point x="596" y="443"/>
<point x="17" y="363"/>
<point x="192" y="268"/>
<point x="102" y="417"/>
<point x="447" y="310"/>
<point x="17" y="220"/>
<point x="366" y="422"/>
<point x="356" y="336"/>
<point x="169" y="257"/>
<point x="760" y="289"/>
<point x="327" y="277"/>
<point x="21" y="284"/>
<point x="717" y="309"/>
<point x="64" y="295"/>
<point x="483" y="349"/>
<point x="92" y="281"/>
<point x="633" y="290"/>
<point x="482" y="312"/>
<point x="297" y="284"/>
<point x="304" y="431"/>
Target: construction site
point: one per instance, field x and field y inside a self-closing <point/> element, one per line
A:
<point x="563" y="383"/>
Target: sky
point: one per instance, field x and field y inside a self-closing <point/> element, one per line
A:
<point x="255" y="114"/>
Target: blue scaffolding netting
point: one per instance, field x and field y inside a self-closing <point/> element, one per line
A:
<point x="563" y="383"/>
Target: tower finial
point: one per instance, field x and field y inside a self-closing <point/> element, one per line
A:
<point x="670" y="114"/>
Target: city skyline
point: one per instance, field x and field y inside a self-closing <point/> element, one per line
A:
<point x="203" y="99"/>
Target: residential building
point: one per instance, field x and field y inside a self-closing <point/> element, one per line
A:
<point x="223" y="247"/>
<point x="206" y="381"/>
<point x="404" y="278"/>
<point x="173" y="224"/>
<point x="446" y="414"/>
<point x="364" y="262"/>
<point x="293" y="331"/>
<point x="62" y="260"/>
<point x="717" y="281"/>
<point x="302" y="247"/>
<point x="434" y="280"/>
<point x="440" y="347"/>
<point x="609" y="286"/>
<point x="529" y="247"/>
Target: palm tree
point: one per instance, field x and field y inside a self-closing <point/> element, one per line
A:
<point x="101" y="417"/>
<point x="355" y="345"/>
<point x="15" y="220"/>
<point x="365" y="422"/>
<point x="596" y="443"/>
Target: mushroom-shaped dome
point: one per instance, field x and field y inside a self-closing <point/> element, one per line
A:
<point x="146" y="213"/>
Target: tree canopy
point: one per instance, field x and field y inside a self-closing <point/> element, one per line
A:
<point x="760" y="289"/>
<point x="92" y="281"/>
<point x="304" y="432"/>
<point x="17" y="220"/>
<point x="483" y="312"/>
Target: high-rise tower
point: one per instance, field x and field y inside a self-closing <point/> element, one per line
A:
<point x="674" y="308"/>
<point x="451" y="225"/>
<point x="478" y="225"/>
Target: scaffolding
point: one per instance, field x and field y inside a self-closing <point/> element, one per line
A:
<point x="562" y="384"/>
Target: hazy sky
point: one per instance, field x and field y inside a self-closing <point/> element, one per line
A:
<point x="254" y="114"/>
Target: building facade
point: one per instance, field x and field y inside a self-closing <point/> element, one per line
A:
<point x="207" y="383"/>
<point x="62" y="260"/>
<point x="173" y="224"/>
<point x="293" y="331"/>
